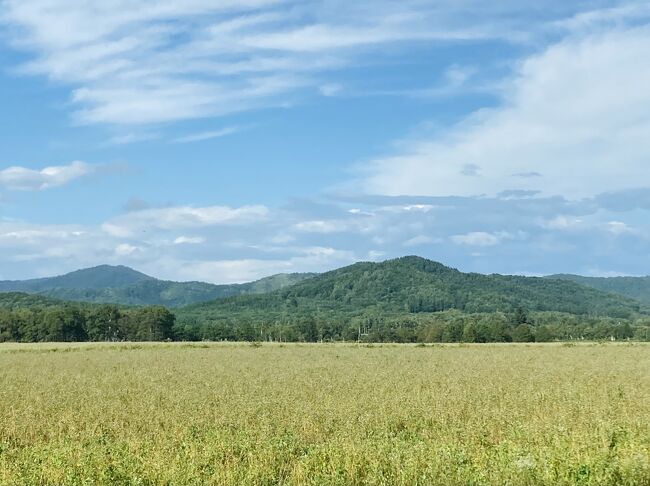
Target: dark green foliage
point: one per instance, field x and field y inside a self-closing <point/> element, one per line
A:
<point x="414" y="285"/>
<point x="104" y="276"/>
<point x="523" y="333"/>
<point x="125" y="286"/>
<point x="405" y="300"/>
<point x="412" y="299"/>
<point x="25" y="318"/>
<point x="637" y="288"/>
<point x="18" y="300"/>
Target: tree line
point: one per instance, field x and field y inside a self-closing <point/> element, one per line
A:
<point x="441" y="327"/>
<point x="69" y="322"/>
<point x="85" y="322"/>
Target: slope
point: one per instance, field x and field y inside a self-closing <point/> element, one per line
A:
<point x="412" y="285"/>
<point x="633" y="287"/>
<point x="125" y="286"/>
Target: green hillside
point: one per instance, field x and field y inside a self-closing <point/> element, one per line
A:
<point x="409" y="299"/>
<point x="634" y="287"/>
<point x="415" y="285"/>
<point x="103" y="276"/>
<point x="125" y="286"/>
<point x="414" y="299"/>
<point x="20" y="300"/>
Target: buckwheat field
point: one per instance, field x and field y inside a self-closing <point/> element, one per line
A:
<point x="271" y="414"/>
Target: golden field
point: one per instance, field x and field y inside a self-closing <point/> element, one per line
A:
<point x="270" y="414"/>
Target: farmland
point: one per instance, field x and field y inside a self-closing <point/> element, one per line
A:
<point x="262" y="414"/>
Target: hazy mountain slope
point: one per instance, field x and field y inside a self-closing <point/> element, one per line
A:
<point x="20" y="300"/>
<point x="103" y="276"/>
<point x="414" y="285"/>
<point x="634" y="287"/>
<point x="123" y="285"/>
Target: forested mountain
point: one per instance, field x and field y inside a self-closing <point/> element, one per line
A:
<point x="20" y="300"/>
<point x="407" y="294"/>
<point x="96" y="278"/>
<point x="409" y="299"/>
<point x="634" y="287"/>
<point x="415" y="285"/>
<point x="123" y="285"/>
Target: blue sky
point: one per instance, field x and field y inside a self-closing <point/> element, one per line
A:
<point x="228" y="140"/>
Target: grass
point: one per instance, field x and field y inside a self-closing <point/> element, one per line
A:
<point x="235" y="414"/>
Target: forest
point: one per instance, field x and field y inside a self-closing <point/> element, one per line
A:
<point x="407" y="300"/>
<point x="34" y="319"/>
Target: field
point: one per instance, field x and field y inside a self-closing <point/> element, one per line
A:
<point x="241" y="414"/>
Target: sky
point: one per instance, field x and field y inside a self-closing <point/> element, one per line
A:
<point x="227" y="140"/>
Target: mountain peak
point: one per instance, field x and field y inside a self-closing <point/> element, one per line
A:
<point x="102" y="276"/>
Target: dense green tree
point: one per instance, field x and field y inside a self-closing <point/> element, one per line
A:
<point x="470" y="333"/>
<point x="543" y="334"/>
<point x="309" y="330"/>
<point x="523" y="334"/>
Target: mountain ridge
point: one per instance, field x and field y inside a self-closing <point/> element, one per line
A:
<point x="412" y="285"/>
<point x="637" y="288"/>
<point x="125" y="286"/>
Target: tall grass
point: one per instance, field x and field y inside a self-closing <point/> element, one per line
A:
<point x="325" y="414"/>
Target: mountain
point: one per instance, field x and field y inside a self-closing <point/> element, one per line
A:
<point x="96" y="278"/>
<point x="412" y="285"/>
<point x="123" y="285"/>
<point x="634" y="287"/>
<point x="20" y="300"/>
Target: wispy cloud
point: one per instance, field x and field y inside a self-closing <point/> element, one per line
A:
<point x="25" y="179"/>
<point x="178" y="217"/>
<point x="478" y="238"/>
<point x="209" y="135"/>
<point x="128" y="138"/>
<point x="234" y="244"/>
<point x="153" y="61"/>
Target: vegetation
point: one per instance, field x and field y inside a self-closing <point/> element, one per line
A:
<point x="441" y="327"/>
<point x="125" y="286"/>
<point x="637" y="288"/>
<point x="243" y="415"/>
<point x="406" y="300"/>
<point x="416" y="300"/>
<point x="103" y="276"/>
<point x="28" y="318"/>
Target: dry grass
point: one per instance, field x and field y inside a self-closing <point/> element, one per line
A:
<point x="324" y="414"/>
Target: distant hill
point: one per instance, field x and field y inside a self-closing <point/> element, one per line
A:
<point x="412" y="285"/>
<point x="634" y="287"/>
<point x="123" y="285"/>
<point x="96" y="278"/>
<point x="20" y="300"/>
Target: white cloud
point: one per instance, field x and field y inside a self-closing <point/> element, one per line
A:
<point x="127" y="138"/>
<point x="149" y="61"/>
<point x="309" y="259"/>
<point x="321" y="226"/>
<point x="248" y="243"/>
<point x="483" y="238"/>
<point x="189" y="240"/>
<point x="182" y="217"/>
<point x="621" y="228"/>
<point x="576" y="115"/>
<point x="331" y="89"/>
<point x="26" y="235"/>
<point x="588" y="20"/>
<point x="125" y="249"/>
<point x="24" y="179"/>
<point x="563" y="222"/>
<point x="201" y="136"/>
<point x="476" y="238"/>
<point x="421" y="240"/>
